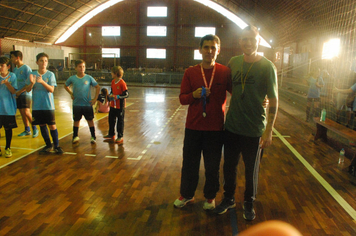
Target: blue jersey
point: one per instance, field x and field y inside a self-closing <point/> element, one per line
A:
<point x="41" y="98"/>
<point x="81" y="89"/>
<point x="22" y="74"/>
<point x="7" y="99"/>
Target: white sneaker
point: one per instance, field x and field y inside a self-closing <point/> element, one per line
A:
<point x="209" y="204"/>
<point x="75" y="139"/>
<point x="181" y="202"/>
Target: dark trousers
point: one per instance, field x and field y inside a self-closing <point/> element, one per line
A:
<point x="116" y="117"/>
<point x="195" y="143"/>
<point x="234" y="146"/>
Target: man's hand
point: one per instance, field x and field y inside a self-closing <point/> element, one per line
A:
<point x="197" y="93"/>
<point x="266" y="139"/>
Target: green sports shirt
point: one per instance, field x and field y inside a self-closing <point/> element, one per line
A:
<point x="246" y="115"/>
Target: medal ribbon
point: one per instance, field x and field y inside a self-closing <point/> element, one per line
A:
<point x="203" y="92"/>
<point x="243" y="80"/>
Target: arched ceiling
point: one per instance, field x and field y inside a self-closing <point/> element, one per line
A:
<point x="46" y="21"/>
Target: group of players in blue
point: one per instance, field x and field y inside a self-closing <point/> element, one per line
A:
<point x="22" y="87"/>
<point x="17" y="89"/>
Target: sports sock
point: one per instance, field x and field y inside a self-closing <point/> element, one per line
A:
<point x="54" y="134"/>
<point x="27" y="129"/>
<point x="92" y="131"/>
<point x="8" y="134"/>
<point x="44" y="132"/>
<point x="75" y="131"/>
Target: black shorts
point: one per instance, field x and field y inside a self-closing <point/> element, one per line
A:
<point x="23" y="101"/>
<point x="313" y="99"/>
<point x="40" y="117"/>
<point x="9" y="122"/>
<point x="86" y="111"/>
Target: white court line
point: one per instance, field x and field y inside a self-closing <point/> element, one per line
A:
<point x="318" y="177"/>
<point x="30" y="149"/>
<point x="90" y="155"/>
<point x="155" y="137"/>
<point x="112" y="157"/>
<point x="70" y="153"/>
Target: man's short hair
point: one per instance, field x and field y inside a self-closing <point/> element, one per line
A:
<point x="117" y="70"/>
<point x="78" y="62"/>
<point x="42" y="54"/>
<point x="5" y="60"/>
<point x="251" y="28"/>
<point x="209" y="37"/>
<point x="16" y="54"/>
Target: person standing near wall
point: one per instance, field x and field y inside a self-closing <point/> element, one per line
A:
<point x="23" y="98"/>
<point x="248" y="127"/>
<point x="315" y="82"/>
<point x="203" y="88"/>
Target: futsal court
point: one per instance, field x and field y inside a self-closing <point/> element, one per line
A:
<point x="129" y="189"/>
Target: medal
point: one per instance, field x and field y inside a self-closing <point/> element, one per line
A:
<point x="204" y="114"/>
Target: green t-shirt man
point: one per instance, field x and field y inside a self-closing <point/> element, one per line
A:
<point x="246" y="115"/>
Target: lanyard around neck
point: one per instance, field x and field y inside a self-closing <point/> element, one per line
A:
<point x="211" y="79"/>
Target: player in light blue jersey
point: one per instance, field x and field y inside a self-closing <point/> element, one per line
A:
<point x="82" y="101"/>
<point x="23" y="98"/>
<point x="8" y="86"/>
<point x="42" y="83"/>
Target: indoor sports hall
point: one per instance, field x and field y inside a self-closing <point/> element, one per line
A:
<point x="106" y="188"/>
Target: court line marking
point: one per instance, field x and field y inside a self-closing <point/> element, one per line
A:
<point x="90" y="155"/>
<point x="30" y="149"/>
<point x="112" y="157"/>
<point x="155" y="136"/>
<point x="35" y="150"/>
<point x="317" y="176"/>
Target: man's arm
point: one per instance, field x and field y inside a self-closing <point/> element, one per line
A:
<point x="266" y="139"/>
<point x="344" y="91"/>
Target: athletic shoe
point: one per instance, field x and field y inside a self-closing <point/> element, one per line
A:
<point x="58" y="150"/>
<point x="46" y="149"/>
<point x="181" y="201"/>
<point x="249" y="212"/>
<point x="25" y="133"/>
<point x="209" y="204"/>
<point x="8" y="153"/>
<point x="35" y="133"/>
<point x="110" y="137"/>
<point x="75" y="139"/>
<point x="92" y="140"/>
<point x="225" y="204"/>
<point x="119" y="140"/>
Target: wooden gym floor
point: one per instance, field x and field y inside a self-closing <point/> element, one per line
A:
<point x="106" y="189"/>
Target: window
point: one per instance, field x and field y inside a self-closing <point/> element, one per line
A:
<point x="110" y="31"/>
<point x="155" y="53"/>
<point x="202" y="31"/>
<point x="110" y="52"/>
<point x="156" y="31"/>
<point x="156" y="11"/>
<point x="197" y="55"/>
<point x="331" y="49"/>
